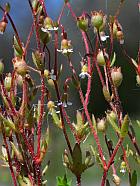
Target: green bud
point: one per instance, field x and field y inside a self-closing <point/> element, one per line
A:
<point x="1" y="67"/>
<point x="106" y="94"/>
<point x="7" y="82"/>
<point x="101" y="59"/>
<point x="101" y="125"/>
<point x="48" y="23"/>
<point x="97" y="19"/>
<point x="82" y="23"/>
<point x="8" y="131"/>
<point x="20" y="66"/>
<point x="117" y="76"/>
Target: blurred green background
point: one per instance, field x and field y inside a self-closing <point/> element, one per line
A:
<point x="129" y="92"/>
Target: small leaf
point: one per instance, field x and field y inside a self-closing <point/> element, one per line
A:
<point x="17" y="49"/>
<point x="124" y="127"/>
<point x="113" y="60"/>
<point x="77" y="155"/>
<point x="63" y="181"/>
<point x="56" y="119"/>
<point x="113" y="123"/>
<point x="134" y="179"/>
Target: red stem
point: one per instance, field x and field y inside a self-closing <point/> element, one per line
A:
<point x="36" y="27"/>
<point x="9" y="160"/>
<point x="28" y="40"/>
<point x="41" y="114"/>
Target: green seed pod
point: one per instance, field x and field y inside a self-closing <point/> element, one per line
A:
<point x="20" y="66"/>
<point x="117" y="76"/>
<point x="7" y="82"/>
<point x="101" y="125"/>
<point x="82" y="23"/>
<point x="101" y="59"/>
<point x="97" y="19"/>
<point x="48" y="23"/>
<point x="1" y="67"/>
<point x="106" y="94"/>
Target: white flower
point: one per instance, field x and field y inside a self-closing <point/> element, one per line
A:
<point x="103" y="36"/>
<point x="82" y="75"/>
<point x="49" y="29"/>
<point x="66" y="103"/>
<point x="65" y="51"/>
<point x="52" y="76"/>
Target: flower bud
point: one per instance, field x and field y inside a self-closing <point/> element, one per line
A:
<point x="117" y="76"/>
<point x="120" y="37"/>
<point x="101" y="125"/>
<point x="1" y="67"/>
<point x="20" y="66"/>
<point x="64" y="44"/>
<point x="113" y="115"/>
<point x="116" y="180"/>
<point x="97" y="19"/>
<point x="46" y="73"/>
<point x="48" y="23"/>
<point x="100" y="58"/>
<point x="106" y="94"/>
<point x="7" y="82"/>
<point x="3" y="25"/>
<point x="82" y="23"/>
<point x="50" y="105"/>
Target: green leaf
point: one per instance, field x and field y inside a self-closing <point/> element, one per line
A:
<point x="134" y="179"/>
<point x="113" y="123"/>
<point x="77" y="155"/>
<point x="124" y="127"/>
<point x="17" y="49"/>
<point x="113" y="60"/>
<point x="63" y="181"/>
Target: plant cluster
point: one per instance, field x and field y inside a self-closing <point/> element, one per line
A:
<point x="21" y="121"/>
